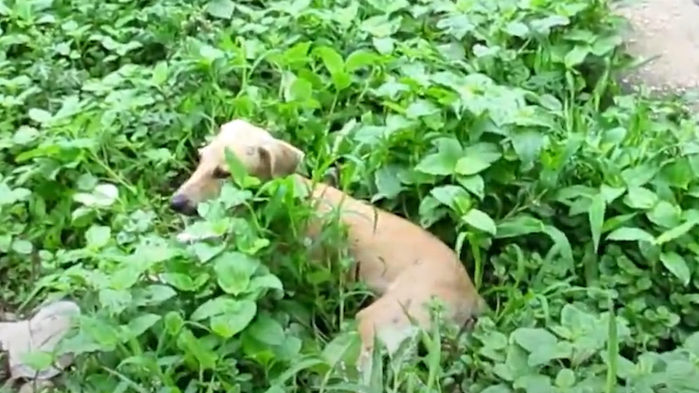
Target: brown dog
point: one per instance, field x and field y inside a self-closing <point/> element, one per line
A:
<point x="401" y="262"/>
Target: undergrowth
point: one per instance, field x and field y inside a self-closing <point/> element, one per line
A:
<point x="496" y="124"/>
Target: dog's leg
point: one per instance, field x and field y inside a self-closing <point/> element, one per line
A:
<point x="387" y="319"/>
<point x="404" y="310"/>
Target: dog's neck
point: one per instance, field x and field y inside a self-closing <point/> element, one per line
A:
<point x="328" y="198"/>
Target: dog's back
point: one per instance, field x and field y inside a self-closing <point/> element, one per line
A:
<point x="404" y="264"/>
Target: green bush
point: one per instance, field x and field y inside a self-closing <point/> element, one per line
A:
<point x="497" y="124"/>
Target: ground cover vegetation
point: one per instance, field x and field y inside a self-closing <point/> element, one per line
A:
<point x="496" y="124"/>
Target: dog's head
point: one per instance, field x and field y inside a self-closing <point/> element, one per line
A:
<point x="262" y="155"/>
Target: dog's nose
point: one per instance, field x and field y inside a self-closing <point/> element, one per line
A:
<point x="179" y="203"/>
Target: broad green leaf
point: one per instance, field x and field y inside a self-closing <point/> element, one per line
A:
<point x="519" y="225"/>
<point x="220" y="8"/>
<point x="430" y="211"/>
<point x="173" y="322"/>
<point x="153" y="295"/>
<point x="576" y="56"/>
<point x="617" y="221"/>
<point x="307" y="363"/>
<point x="25" y="135"/>
<point x="436" y="164"/>
<point x="5" y="243"/>
<point x="485" y="151"/>
<point x="501" y="388"/>
<point x="453" y="196"/>
<point x="234" y="321"/>
<point x="299" y="89"/>
<point x="6" y="195"/>
<point x="39" y="115"/>
<point x="268" y="281"/>
<point x="596" y="219"/>
<point x="640" y="198"/>
<point x="335" y="64"/>
<point x="535" y="384"/>
<point x="532" y="339"/>
<point x="517" y="29"/>
<point x="528" y="145"/>
<point x="23" y="247"/>
<point x="544" y="25"/>
<point x="126" y="276"/>
<point x="541" y="345"/>
<point x="550" y="102"/>
<point x="105" y="194"/>
<point x="665" y="215"/>
<point x="474" y="184"/>
<point x="140" y="324"/>
<point x="630" y="234"/>
<point x="560" y="243"/>
<point x="457" y="25"/>
<point x="115" y="301"/>
<point x="387" y="183"/>
<point x="234" y="271"/>
<point x="444" y="161"/>
<point x="205" y="251"/>
<point x="675" y="232"/>
<point x="359" y="59"/>
<point x="639" y="175"/>
<point x="97" y="236"/>
<point x="611" y="193"/>
<point x="613" y="137"/>
<point x="606" y="44"/>
<point x="485" y="51"/>
<point x="37" y="360"/>
<point x="190" y="345"/>
<point x="275" y="389"/>
<point x="494" y="340"/>
<point x="384" y="45"/>
<point x="217" y="306"/>
<point x="86" y="182"/>
<point x="380" y="25"/>
<point x="267" y="330"/>
<point x="470" y="165"/>
<point x="340" y="347"/>
<point x="420" y="108"/>
<point x="692" y="343"/>
<point x="297" y="54"/>
<point x="150" y="252"/>
<point x="160" y="75"/>
<point x="480" y="220"/>
<point x="180" y="281"/>
<point x="236" y="168"/>
<point x="102" y="332"/>
<point x="676" y="265"/>
<point x="677" y="173"/>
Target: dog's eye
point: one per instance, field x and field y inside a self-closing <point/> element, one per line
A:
<point x="220" y="173"/>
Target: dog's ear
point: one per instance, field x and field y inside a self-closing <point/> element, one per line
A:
<point x="279" y="158"/>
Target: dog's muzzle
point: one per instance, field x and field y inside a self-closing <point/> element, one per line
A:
<point x="181" y="204"/>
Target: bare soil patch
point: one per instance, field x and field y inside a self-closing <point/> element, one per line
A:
<point x="666" y="32"/>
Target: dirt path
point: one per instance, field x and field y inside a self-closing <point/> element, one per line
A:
<point x="668" y="29"/>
